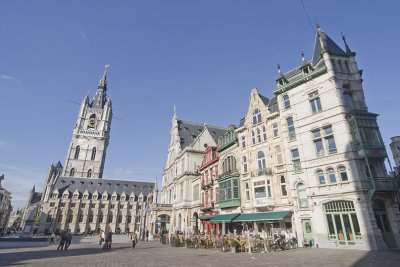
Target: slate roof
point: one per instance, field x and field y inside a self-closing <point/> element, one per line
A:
<point x="329" y="45"/>
<point x="264" y="99"/>
<point x="273" y="105"/>
<point x="102" y="185"/>
<point x="189" y="131"/>
<point x="36" y="197"/>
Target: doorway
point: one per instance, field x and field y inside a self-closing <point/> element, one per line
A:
<point x="383" y="223"/>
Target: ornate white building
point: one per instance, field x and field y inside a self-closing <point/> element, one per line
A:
<point x="76" y="197"/>
<point x="310" y="160"/>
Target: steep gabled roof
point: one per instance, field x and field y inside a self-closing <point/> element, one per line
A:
<point x="329" y="45"/>
<point x="189" y="131"/>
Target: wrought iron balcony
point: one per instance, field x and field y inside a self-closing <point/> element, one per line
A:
<point x="230" y="172"/>
<point x="259" y="172"/>
<point x="207" y="206"/>
<point x="207" y="183"/>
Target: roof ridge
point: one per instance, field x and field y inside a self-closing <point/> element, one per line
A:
<point x="203" y="124"/>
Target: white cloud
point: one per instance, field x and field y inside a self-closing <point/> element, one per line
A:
<point x="83" y="35"/>
<point x="11" y="79"/>
<point x="2" y="143"/>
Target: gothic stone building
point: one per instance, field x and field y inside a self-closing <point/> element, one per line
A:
<point x="75" y="196"/>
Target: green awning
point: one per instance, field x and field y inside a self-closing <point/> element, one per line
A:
<point x="262" y="216"/>
<point x="224" y="218"/>
<point x="206" y="217"/>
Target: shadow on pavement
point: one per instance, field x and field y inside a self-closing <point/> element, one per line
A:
<point x="16" y="258"/>
<point x="379" y="258"/>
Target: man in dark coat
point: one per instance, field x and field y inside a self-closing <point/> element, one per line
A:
<point x="61" y="239"/>
<point x="68" y="239"/>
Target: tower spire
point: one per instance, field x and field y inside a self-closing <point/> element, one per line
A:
<point x="345" y="43"/>
<point x="103" y="81"/>
<point x="100" y="97"/>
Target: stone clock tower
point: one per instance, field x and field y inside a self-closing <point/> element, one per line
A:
<point x="87" y="151"/>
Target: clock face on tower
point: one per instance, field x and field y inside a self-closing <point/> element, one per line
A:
<point x="92" y="121"/>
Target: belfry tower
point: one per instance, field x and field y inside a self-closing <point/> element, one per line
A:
<point x="90" y="137"/>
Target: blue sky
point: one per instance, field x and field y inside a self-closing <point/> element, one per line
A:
<point x="203" y="56"/>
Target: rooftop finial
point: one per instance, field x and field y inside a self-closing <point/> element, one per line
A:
<point x="345" y="43"/>
<point x="104" y="78"/>
<point x="175" y="115"/>
<point x="302" y="55"/>
<point x="279" y="68"/>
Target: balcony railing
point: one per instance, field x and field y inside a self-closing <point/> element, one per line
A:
<point x="207" y="183"/>
<point x="357" y="106"/>
<point x="382" y="184"/>
<point x="91" y="132"/>
<point x="266" y="171"/>
<point x="230" y="172"/>
<point x="207" y="206"/>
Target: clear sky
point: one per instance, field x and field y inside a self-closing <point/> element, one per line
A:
<point x="204" y="56"/>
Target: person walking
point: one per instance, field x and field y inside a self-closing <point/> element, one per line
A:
<point x="147" y="235"/>
<point x="52" y="237"/>
<point x="68" y="239"/>
<point x="134" y="239"/>
<point x="61" y="239"/>
<point x="102" y="237"/>
<point x="108" y="239"/>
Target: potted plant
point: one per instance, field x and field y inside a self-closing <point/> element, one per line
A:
<point x="188" y="243"/>
<point x="234" y="246"/>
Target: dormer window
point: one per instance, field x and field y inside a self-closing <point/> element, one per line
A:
<point x="95" y="197"/>
<point x="75" y="196"/>
<point x="105" y="197"/>
<point x="114" y="197"/>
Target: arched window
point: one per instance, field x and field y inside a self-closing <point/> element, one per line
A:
<point x="261" y="160"/>
<point x="264" y="130"/>
<point x="342" y="173"/>
<point x="89" y="173"/>
<point x="72" y="172"/>
<point x="229" y="164"/>
<point x="77" y="150"/>
<point x="256" y="116"/>
<point x="258" y="135"/>
<point x="253" y="138"/>
<point x="346" y="64"/>
<point x="331" y="175"/>
<point x="244" y="162"/>
<point x="286" y="102"/>
<point x="340" y="67"/>
<point x="321" y="177"/>
<point x="283" y="186"/>
<point x="302" y="195"/>
<point x="93" y="157"/>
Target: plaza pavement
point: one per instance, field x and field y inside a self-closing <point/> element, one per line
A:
<point x="86" y="251"/>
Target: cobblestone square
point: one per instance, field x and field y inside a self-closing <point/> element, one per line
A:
<point x="87" y="252"/>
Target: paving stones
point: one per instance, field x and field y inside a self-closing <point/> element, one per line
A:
<point x="87" y="252"/>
